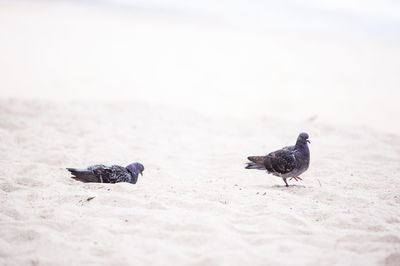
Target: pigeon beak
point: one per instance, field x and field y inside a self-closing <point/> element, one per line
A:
<point x="308" y="141"/>
<point x="141" y="173"/>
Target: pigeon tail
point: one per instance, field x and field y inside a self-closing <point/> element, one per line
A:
<point x="83" y="175"/>
<point x="256" y="163"/>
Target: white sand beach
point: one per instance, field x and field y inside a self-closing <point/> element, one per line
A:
<point x="191" y="99"/>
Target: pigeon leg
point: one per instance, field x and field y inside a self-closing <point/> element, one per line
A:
<point x="284" y="179"/>
<point x="296" y="178"/>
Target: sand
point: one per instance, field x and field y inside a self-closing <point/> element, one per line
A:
<point x="190" y="97"/>
<point x="195" y="204"/>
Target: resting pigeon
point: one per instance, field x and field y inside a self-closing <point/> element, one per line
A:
<point x="101" y="173"/>
<point x="289" y="161"/>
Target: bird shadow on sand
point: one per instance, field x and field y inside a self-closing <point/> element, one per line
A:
<point x="282" y="187"/>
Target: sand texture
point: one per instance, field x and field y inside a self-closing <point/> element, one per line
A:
<point x="195" y="204"/>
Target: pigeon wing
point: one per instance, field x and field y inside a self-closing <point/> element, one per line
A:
<point x="103" y="172"/>
<point x="281" y="161"/>
<point x="98" y="166"/>
<point x="113" y="174"/>
<point x="121" y="174"/>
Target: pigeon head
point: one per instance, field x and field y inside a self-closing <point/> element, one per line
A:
<point x="135" y="168"/>
<point x="303" y="138"/>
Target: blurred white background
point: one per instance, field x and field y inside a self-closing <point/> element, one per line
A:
<point x="332" y="61"/>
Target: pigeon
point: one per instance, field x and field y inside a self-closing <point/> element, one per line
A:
<point x="102" y="173"/>
<point x="290" y="161"/>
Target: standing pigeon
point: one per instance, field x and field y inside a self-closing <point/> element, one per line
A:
<point x="101" y="173"/>
<point x="289" y="161"/>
